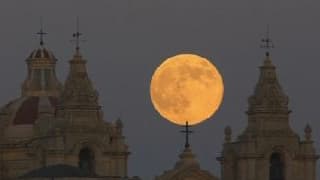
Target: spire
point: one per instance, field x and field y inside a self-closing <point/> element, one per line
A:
<point x="268" y="95"/>
<point x="78" y="88"/>
<point x="41" y="33"/>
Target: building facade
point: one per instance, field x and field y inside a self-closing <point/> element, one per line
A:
<point x="51" y="123"/>
<point x="268" y="149"/>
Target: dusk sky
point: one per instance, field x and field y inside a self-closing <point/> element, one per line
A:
<point x="127" y="39"/>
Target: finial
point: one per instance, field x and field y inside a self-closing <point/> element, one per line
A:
<point x="267" y="42"/>
<point x="187" y="131"/>
<point x="227" y="134"/>
<point x="307" y="132"/>
<point x="76" y="36"/>
<point x="41" y="33"/>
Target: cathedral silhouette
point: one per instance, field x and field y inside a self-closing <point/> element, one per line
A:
<point x="57" y="131"/>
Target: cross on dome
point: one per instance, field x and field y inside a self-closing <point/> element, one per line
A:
<point x="41" y="33"/>
<point x="187" y="131"/>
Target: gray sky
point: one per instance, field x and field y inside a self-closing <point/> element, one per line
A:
<point x="128" y="39"/>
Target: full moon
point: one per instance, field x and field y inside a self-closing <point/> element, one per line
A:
<point x="186" y="88"/>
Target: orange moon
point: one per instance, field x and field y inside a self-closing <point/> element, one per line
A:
<point x="186" y="88"/>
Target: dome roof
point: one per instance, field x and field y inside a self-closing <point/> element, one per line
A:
<point x="187" y="158"/>
<point x="21" y="114"/>
<point x="27" y="111"/>
<point x="41" y="53"/>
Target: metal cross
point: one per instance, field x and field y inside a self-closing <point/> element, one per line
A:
<point x="76" y="36"/>
<point x="41" y="33"/>
<point x="187" y="131"/>
<point x="267" y="42"/>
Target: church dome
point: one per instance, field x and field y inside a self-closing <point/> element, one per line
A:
<point x="41" y="53"/>
<point x="39" y="96"/>
<point x="28" y="110"/>
<point x="21" y="114"/>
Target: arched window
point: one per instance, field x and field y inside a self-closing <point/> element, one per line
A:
<point x="86" y="160"/>
<point x="276" y="167"/>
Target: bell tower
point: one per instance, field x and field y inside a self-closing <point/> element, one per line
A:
<point x="41" y="79"/>
<point x="268" y="148"/>
<point x="79" y="99"/>
<point x="91" y="143"/>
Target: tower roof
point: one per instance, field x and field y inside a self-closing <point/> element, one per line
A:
<point x="78" y="88"/>
<point x="42" y="53"/>
<point x="268" y="95"/>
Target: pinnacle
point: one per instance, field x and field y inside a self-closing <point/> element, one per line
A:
<point x="268" y="95"/>
<point x="79" y="89"/>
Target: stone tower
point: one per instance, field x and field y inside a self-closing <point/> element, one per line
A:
<point x="88" y="141"/>
<point x="268" y="149"/>
<point x="52" y="125"/>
